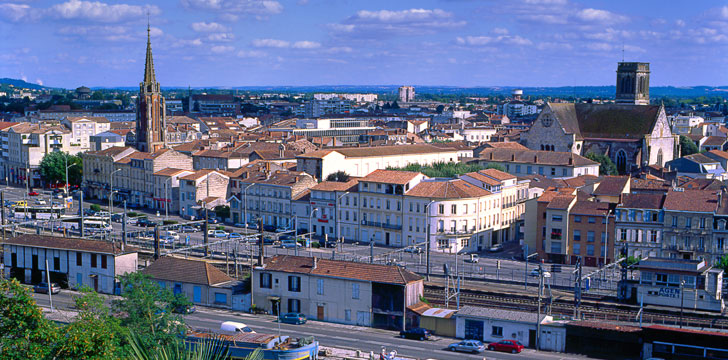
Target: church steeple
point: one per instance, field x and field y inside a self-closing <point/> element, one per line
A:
<point x="149" y="78"/>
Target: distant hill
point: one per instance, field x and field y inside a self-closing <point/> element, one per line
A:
<point x="22" y="84"/>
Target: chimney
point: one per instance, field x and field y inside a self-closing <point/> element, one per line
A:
<point x="281" y="151"/>
<point x="315" y="262"/>
<point x="571" y="160"/>
<point x="513" y="157"/>
<point x="535" y="159"/>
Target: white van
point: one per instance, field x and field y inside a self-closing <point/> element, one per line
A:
<point x="233" y="326"/>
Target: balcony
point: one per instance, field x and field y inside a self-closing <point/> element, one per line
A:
<point x="381" y="225"/>
<point x="455" y="232"/>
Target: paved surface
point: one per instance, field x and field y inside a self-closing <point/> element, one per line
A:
<point x="335" y="335"/>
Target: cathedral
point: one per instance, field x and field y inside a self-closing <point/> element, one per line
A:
<point x="150" y="126"/>
<point x="631" y="132"/>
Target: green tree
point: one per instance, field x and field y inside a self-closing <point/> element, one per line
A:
<point x="606" y="166"/>
<point x="222" y="211"/>
<point x="53" y="168"/>
<point x="723" y="263"/>
<point x="148" y="310"/>
<point x="687" y="146"/>
<point x="94" y="333"/>
<point x="339" y="176"/>
<point x="440" y="109"/>
<point x="24" y="332"/>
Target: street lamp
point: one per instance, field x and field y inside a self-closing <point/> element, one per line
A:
<point x="67" y="167"/>
<point x="682" y="298"/>
<point x="427" y="238"/>
<point x="111" y="193"/>
<point x="310" y="220"/>
<point x="166" y="199"/>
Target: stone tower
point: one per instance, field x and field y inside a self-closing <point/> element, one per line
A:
<point x="633" y="83"/>
<point x="150" y="126"/>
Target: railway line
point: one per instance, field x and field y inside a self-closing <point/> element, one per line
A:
<point x="562" y="307"/>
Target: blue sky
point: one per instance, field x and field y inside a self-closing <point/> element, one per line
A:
<point x="68" y="43"/>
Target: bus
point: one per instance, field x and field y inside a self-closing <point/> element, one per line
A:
<point x="39" y="212"/>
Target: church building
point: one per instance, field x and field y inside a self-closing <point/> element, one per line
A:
<point x="631" y="132"/>
<point x="150" y="126"/>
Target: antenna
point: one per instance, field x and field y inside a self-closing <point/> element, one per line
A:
<point x="622" y="50"/>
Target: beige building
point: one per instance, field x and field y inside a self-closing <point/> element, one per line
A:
<point x="28" y="144"/>
<point x="337" y="291"/>
<point x="202" y="189"/>
<point x="166" y="189"/>
<point x="82" y="127"/>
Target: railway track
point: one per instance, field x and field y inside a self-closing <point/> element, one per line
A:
<point x="562" y="307"/>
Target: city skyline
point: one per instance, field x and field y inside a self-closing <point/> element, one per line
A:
<point x="309" y="42"/>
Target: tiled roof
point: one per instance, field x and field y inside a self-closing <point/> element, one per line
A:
<point x="561" y="202"/>
<point x="186" y="271"/>
<point x="581" y="180"/>
<point x="499" y="314"/>
<point x="642" y="201"/>
<point x="701" y="158"/>
<point x="691" y="200"/>
<point x="96" y="119"/>
<point x="718" y="154"/>
<point x="450" y="189"/>
<point x="589" y="208"/>
<point x="350" y="185"/>
<point x="505" y="145"/>
<point x="169" y="172"/>
<point x="65" y="243"/>
<point x="391" y="176"/>
<point x="606" y="120"/>
<point x="497" y="174"/>
<point x="342" y="269"/>
<point x="612" y="185"/>
<point x="379" y="151"/>
<point x="197" y="174"/>
<point x="649" y="184"/>
<point x="534" y="157"/>
<point x="714" y="141"/>
<point x="112" y="151"/>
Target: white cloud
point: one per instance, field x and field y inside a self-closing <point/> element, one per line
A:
<point x="410" y="15"/>
<point x="222" y="37"/>
<point x="680" y="23"/>
<point x="243" y="7"/>
<point x="381" y="23"/>
<point x="208" y="27"/>
<point x="16" y="12"/>
<point x="338" y="50"/>
<point x="100" y="12"/>
<point x="271" y="43"/>
<point x="600" y="16"/>
<point x="500" y="31"/>
<point x="488" y="40"/>
<point x="221" y="49"/>
<point x="599" y="46"/>
<point x="251" y="54"/>
<point x="306" y="45"/>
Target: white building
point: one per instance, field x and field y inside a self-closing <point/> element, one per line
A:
<point x="406" y="94"/>
<point x="360" y="98"/>
<point x="84" y="127"/>
<point x="72" y="262"/>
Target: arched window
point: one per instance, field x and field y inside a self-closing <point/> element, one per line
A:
<point x="621" y="162"/>
<point x="659" y="157"/>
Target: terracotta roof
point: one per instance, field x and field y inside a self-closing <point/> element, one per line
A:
<point x="342" y="269"/>
<point x="714" y="141"/>
<point x="719" y="153"/>
<point x="589" y="208"/>
<point x="497" y="174"/>
<point x="505" y="145"/>
<point x="391" y="176"/>
<point x="65" y="243"/>
<point x="649" y="184"/>
<point x="186" y="271"/>
<point x="198" y="174"/>
<point x="702" y="184"/>
<point x="581" y="180"/>
<point x="112" y="151"/>
<point x="169" y="172"/>
<point x="691" y="200"/>
<point x="534" y="157"/>
<point x="447" y="190"/>
<point x="379" y="151"/>
<point x="97" y="119"/>
<point x="642" y="201"/>
<point x="612" y="185"/>
<point x="561" y="202"/>
<point x="350" y="185"/>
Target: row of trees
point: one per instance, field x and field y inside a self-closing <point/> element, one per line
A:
<point x="446" y="170"/>
<point x="141" y="324"/>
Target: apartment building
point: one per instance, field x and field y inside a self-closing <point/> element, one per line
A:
<point x="639" y="224"/>
<point x="360" y="162"/>
<point x="27" y="144"/>
<point x="337" y="291"/>
<point x="83" y="127"/>
<point x="591" y="233"/>
<point x="202" y="189"/>
<point x="166" y="189"/>
<point x="530" y="162"/>
<point x="217" y="104"/>
<point x="267" y="195"/>
<point x="689" y="223"/>
<point x="72" y="262"/>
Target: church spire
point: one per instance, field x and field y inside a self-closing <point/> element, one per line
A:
<point x="149" y="78"/>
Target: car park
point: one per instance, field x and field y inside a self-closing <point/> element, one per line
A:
<point x="267" y="240"/>
<point x="416" y="333"/>
<point x="117" y="217"/>
<point x="290" y="244"/>
<point x="253" y="226"/>
<point x="172" y="234"/>
<point x="144" y="222"/>
<point x="293" y="318"/>
<point x="471" y="346"/>
<point x="220" y="234"/>
<point x="283" y="229"/>
<point x="187" y="229"/>
<point x="496" y="248"/>
<point x="511" y="346"/>
<point x="42" y="288"/>
<point x="166" y="239"/>
<point x="33" y="193"/>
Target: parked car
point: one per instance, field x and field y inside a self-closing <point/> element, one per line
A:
<point x="187" y="229"/>
<point x="166" y="239"/>
<point x="293" y="318"/>
<point x="283" y="229"/>
<point x="511" y="346"/>
<point x="253" y="226"/>
<point x="33" y="193"/>
<point x="471" y="346"/>
<point x="212" y="220"/>
<point x="144" y="222"/>
<point x="496" y="248"/>
<point x="240" y="225"/>
<point x="220" y="234"/>
<point x="472" y="258"/>
<point x="117" y="217"/>
<point x="233" y="326"/>
<point x="41" y="202"/>
<point x="132" y="220"/>
<point x="89" y="212"/>
<point x="416" y="333"/>
<point x="173" y="234"/>
<point x="534" y="272"/>
<point x="42" y="288"/>
<point x="267" y="240"/>
<point x="330" y="243"/>
<point x="289" y="244"/>
<point x="189" y="309"/>
<point x="413" y="249"/>
<point x="270" y="228"/>
<point x="235" y="236"/>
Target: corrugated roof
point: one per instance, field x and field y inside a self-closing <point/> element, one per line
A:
<point x="499" y="314"/>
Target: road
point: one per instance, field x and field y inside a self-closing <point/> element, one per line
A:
<point x="510" y="271"/>
<point x="333" y="335"/>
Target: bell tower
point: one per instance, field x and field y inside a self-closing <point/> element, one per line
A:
<point x="150" y="126"/>
<point x="633" y="83"/>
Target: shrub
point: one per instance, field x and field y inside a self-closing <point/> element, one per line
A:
<point x="315" y="245"/>
<point x="95" y="207"/>
<point x="169" y="222"/>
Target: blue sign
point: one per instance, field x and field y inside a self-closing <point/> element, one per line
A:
<point x="588" y="282"/>
<point x="187" y="239"/>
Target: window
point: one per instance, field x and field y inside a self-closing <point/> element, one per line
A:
<point x="347" y="315"/>
<point x="93" y="260"/>
<point x="319" y="286"/>
<point x="294" y="305"/>
<point x="79" y="259"/>
<point x="497" y="331"/>
<point x="556" y="234"/>
<point x="590" y="236"/>
<point x="653" y="235"/>
<point x="590" y="250"/>
<point x="265" y="280"/>
<point x="103" y="261"/>
<point x="592" y="220"/>
<point x="674" y="221"/>
<point x="688" y="223"/>
<point x="294" y="283"/>
<point x="556" y="218"/>
<point x="661" y="279"/>
<point x="57" y="263"/>
<point x="220" y="298"/>
<point x="453" y="209"/>
<point x="604" y="237"/>
<point x="553" y="171"/>
<point x="577" y="219"/>
<point x="702" y="223"/>
<point x="441" y="209"/>
<point x="354" y="291"/>
<point x="555" y="247"/>
<point x="577" y="249"/>
<point x="577" y="235"/>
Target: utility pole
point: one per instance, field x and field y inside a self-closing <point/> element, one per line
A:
<point x="427" y="239"/>
<point x="577" y="287"/>
<point x="50" y="288"/>
<point x="261" y="247"/>
<point x="235" y="258"/>
<point x="123" y="227"/>
<point x="538" y="317"/>
<point x="2" y="201"/>
<point x="205" y="230"/>
<point x="156" y="242"/>
<point x="682" y="298"/>
<point x="80" y="212"/>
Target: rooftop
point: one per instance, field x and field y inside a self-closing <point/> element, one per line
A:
<point x="342" y="269"/>
<point x="66" y="243"/>
<point x="447" y="189"/>
<point x="391" y="176"/>
<point x="499" y="314"/>
<point x="186" y="271"/>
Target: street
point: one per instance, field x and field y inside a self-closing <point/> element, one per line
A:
<point x="329" y="334"/>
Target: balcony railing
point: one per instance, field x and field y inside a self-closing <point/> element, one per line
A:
<point x="456" y="232"/>
<point x="381" y="225"/>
